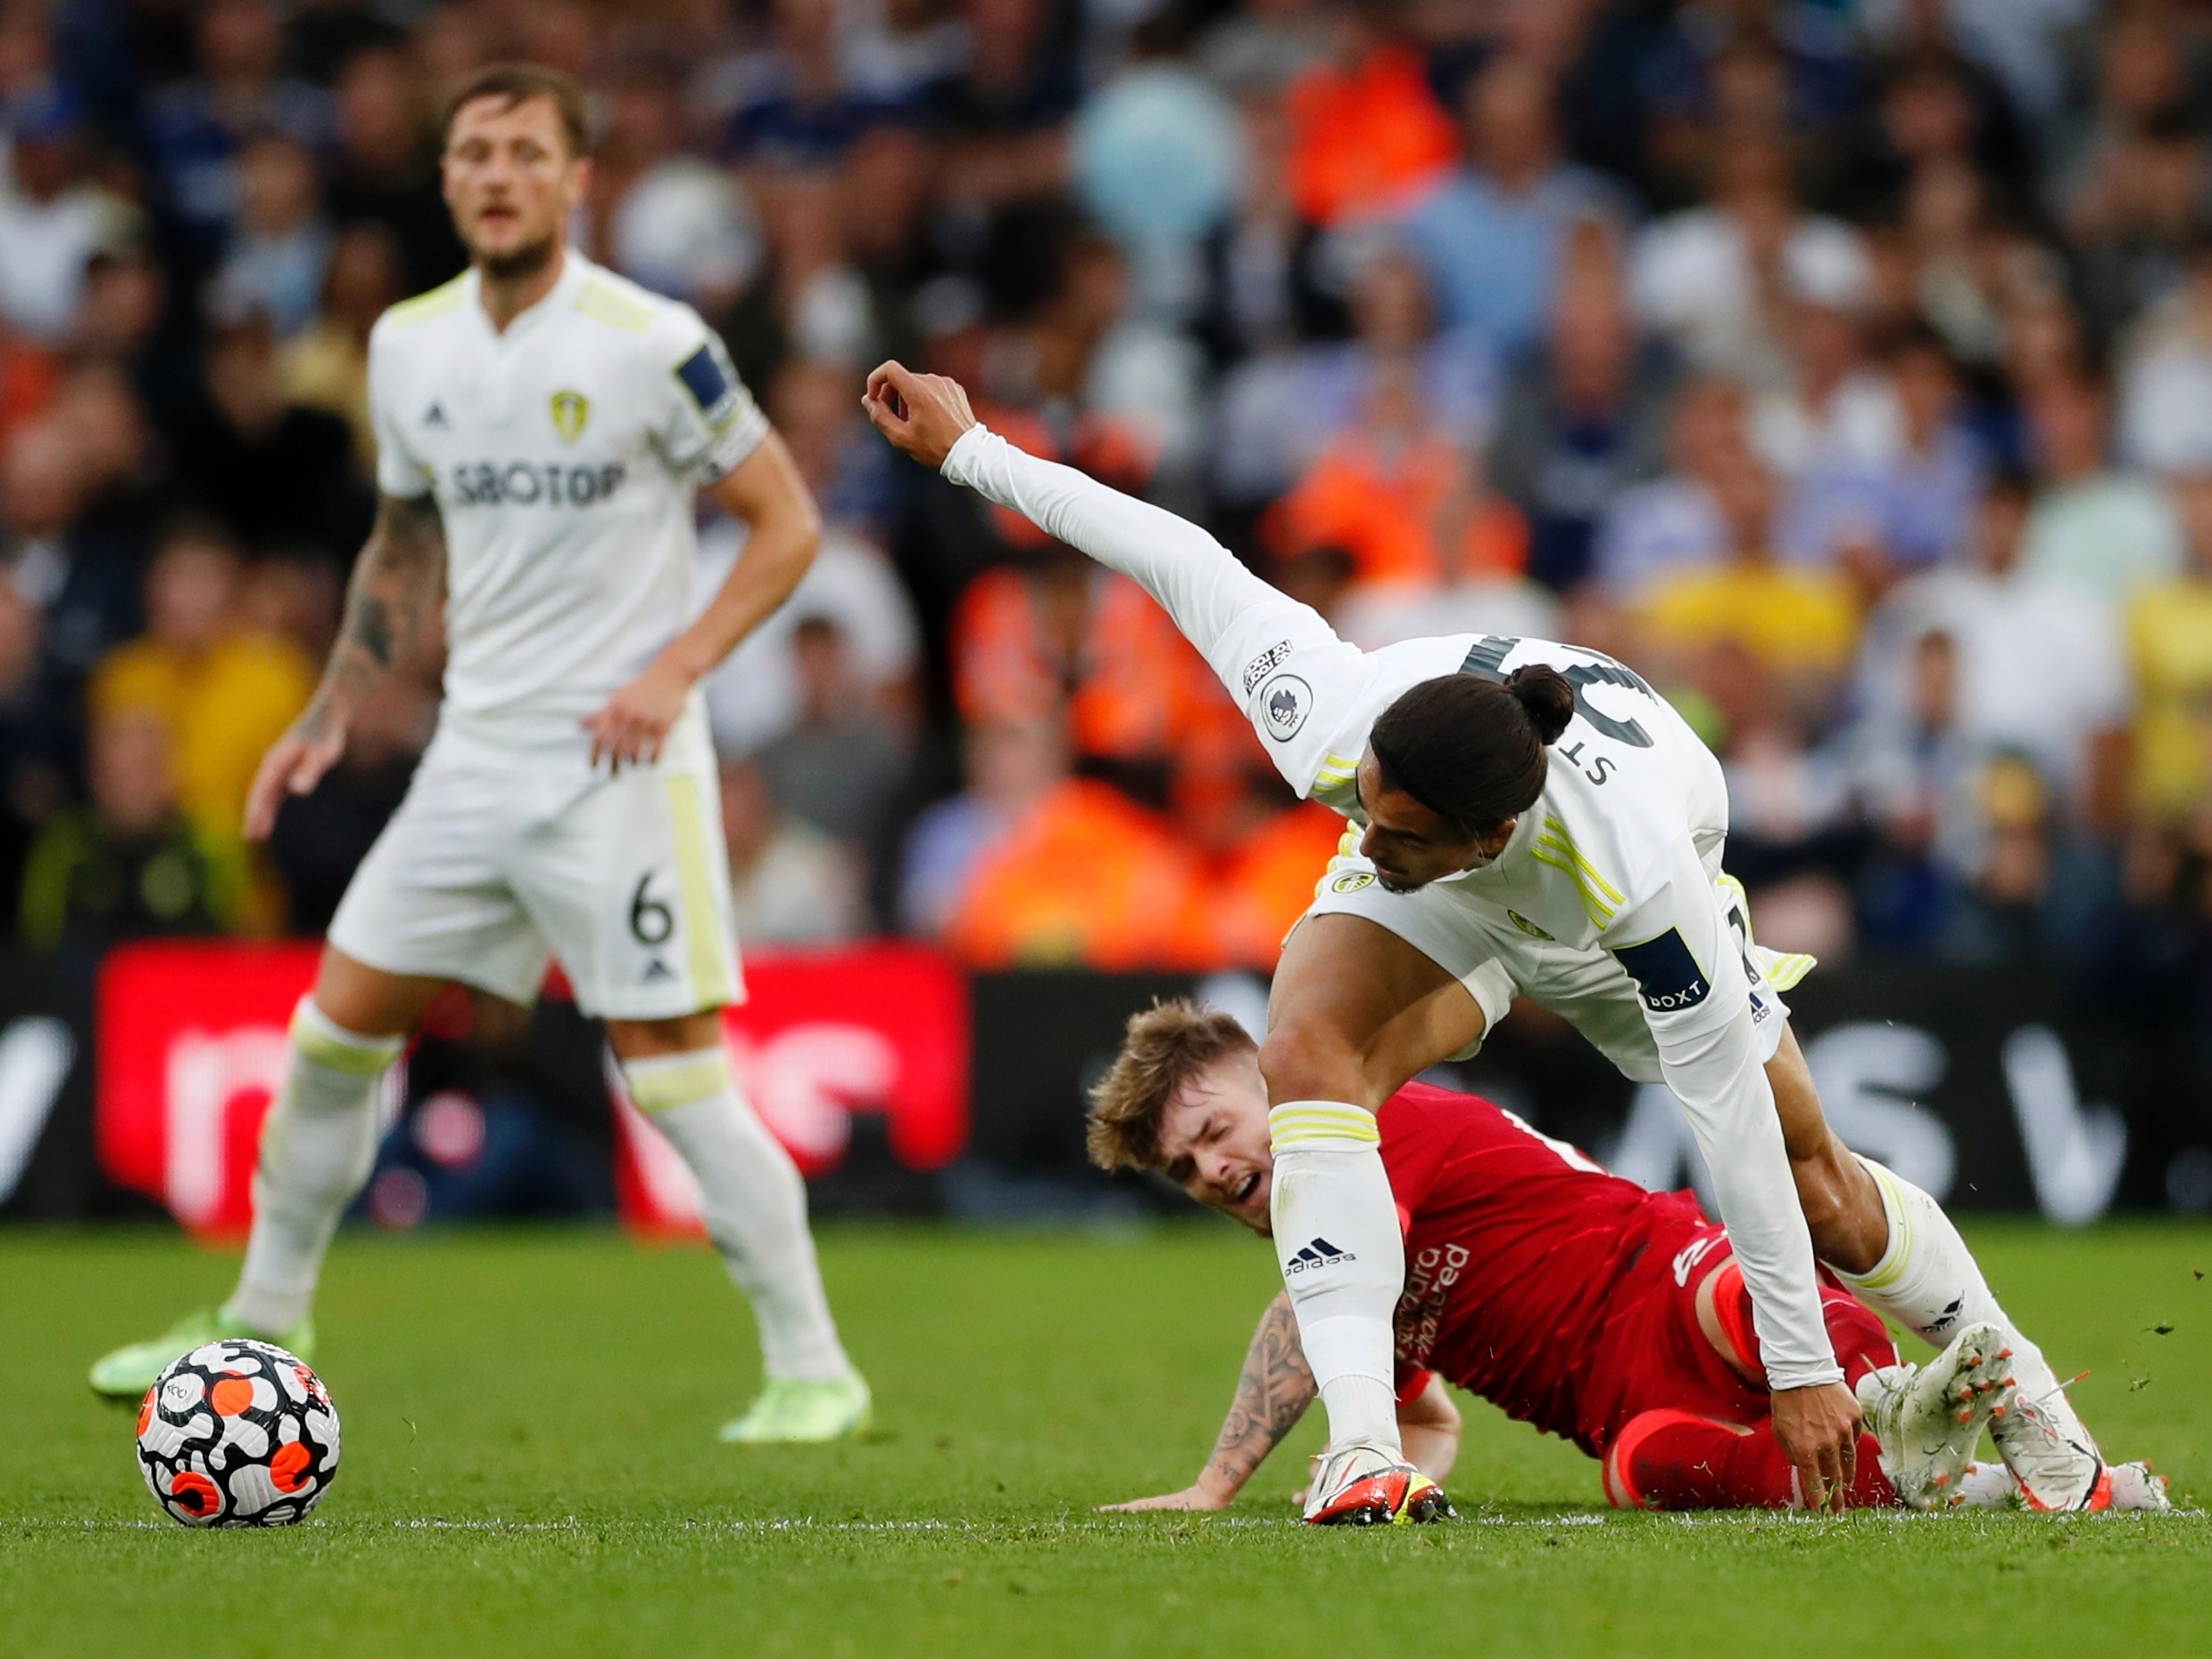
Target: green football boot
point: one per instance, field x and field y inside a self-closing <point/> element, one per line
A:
<point x="803" y="1414"/>
<point x="127" y="1373"/>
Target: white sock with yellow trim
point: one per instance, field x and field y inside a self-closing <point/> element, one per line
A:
<point x="1928" y="1281"/>
<point x="754" y="1205"/>
<point x="1343" y="1260"/>
<point x="318" y="1145"/>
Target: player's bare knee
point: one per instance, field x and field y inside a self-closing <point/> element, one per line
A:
<point x="1305" y="1060"/>
<point x="368" y="1000"/>
<point x="685" y="1033"/>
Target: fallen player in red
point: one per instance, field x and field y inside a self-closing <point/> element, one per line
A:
<point x="1570" y="1299"/>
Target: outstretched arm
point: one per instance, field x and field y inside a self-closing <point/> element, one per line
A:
<point x="1689" y="969"/>
<point x="396" y="583"/>
<point x="1272" y="1394"/>
<point x="1244" y="628"/>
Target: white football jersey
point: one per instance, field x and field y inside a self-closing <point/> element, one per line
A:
<point x="1615" y="863"/>
<point x="565" y="453"/>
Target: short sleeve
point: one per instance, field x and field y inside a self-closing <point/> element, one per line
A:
<point x="400" y="471"/>
<point x="707" y="423"/>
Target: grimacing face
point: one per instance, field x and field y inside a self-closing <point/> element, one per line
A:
<point x="1410" y="846"/>
<point x="1214" y="1140"/>
<point x="510" y="181"/>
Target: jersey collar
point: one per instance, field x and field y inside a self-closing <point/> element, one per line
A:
<point x="1500" y="868"/>
<point x="575" y="271"/>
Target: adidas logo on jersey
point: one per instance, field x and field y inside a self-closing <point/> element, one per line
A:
<point x="1320" y="1253"/>
<point x="658" y="969"/>
<point x="434" y="415"/>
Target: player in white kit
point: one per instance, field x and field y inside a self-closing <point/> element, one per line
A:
<point x="542" y="429"/>
<point x="1530" y="818"/>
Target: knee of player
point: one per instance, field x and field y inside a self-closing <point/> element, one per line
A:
<point x="1302" y="1061"/>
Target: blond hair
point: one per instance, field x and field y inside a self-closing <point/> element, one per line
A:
<point x="1161" y="1048"/>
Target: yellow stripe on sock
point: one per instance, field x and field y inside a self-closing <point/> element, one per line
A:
<point x="312" y="1042"/>
<point x="1350" y="1122"/>
<point x="1900" y="1250"/>
<point x="655" y="1086"/>
<point x="1303" y="1123"/>
<point x="702" y="923"/>
<point x="1291" y="1142"/>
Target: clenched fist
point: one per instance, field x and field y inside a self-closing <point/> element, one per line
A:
<point x="924" y="415"/>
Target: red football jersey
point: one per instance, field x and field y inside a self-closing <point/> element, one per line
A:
<point x="1517" y="1247"/>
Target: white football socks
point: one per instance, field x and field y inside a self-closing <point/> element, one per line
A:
<point x="1930" y="1282"/>
<point x="1343" y="1261"/>
<point x="318" y="1145"/>
<point x="754" y="1205"/>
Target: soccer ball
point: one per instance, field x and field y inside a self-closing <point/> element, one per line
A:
<point x="238" y="1434"/>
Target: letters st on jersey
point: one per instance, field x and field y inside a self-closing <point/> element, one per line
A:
<point x="1619" y="746"/>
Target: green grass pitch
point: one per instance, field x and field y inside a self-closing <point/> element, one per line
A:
<point x="529" y="1467"/>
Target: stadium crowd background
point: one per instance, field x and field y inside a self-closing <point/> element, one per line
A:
<point x="1846" y="368"/>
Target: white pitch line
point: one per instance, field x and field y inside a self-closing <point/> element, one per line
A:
<point x="1102" y="1524"/>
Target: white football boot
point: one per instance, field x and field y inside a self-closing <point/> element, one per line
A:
<point x="1928" y="1419"/>
<point x="2051" y="1456"/>
<point x="1364" y="1485"/>
<point x="2132" y="1487"/>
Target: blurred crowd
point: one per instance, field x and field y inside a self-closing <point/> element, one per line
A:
<point x="1844" y="366"/>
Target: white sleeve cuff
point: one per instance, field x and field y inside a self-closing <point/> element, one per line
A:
<point x="733" y="445"/>
<point x="960" y="459"/>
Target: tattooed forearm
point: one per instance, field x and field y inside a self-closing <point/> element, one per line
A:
<point x="1271" y="1395"/>
<point x="396" y="583"/>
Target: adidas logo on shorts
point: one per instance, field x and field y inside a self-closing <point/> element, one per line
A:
<point x="1320" y="1253"/>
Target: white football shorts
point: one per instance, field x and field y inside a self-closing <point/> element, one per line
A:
<point x="484" y="872"/>
<point x="1496" y="962"/>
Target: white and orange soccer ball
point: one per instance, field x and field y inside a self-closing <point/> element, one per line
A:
<point x="238" y="1434"/>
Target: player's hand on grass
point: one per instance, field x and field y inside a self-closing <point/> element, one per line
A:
<point x="1818" y="1431"/>
<point x="924" y="415"/>
<point x="1196" y="1496"/>
<point x="295" y="764"/>
<point x="635" y="722"/>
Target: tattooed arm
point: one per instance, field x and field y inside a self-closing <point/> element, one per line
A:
<point x="1271" y="1395"/>
<point x="396" y="583"/>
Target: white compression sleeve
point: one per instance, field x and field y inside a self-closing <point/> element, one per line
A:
<point x="754" y="1205"/>
<point x="1343" y="1261"/>
<point x="318" y="1144"/>
<point x="1724" y="1092"/>
<point x="1220" y="606"/>
<point x="1697" y="1007"/>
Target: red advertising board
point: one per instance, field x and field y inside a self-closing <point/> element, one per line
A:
<point x="190" y="1046"/>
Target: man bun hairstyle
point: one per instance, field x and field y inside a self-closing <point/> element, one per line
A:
<point x="518" y="83"/>
<point x="1548" y="696"/>
<point x="1162" y="1048"/>
<point x="1471" y="748"/>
